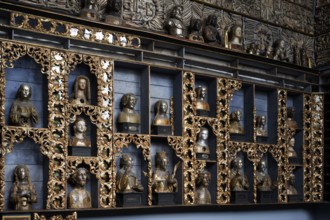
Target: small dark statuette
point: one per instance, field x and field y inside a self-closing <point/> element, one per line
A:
<point x="210" y="32"/>
<point x="22" y="193"/>
<point x="81" y="94"/>
<point x="128" y="120"/>
<point x="291" y="123"/>
<point x="174" y="25"/>
<point x="196" y="31"/>
<point x="235" y="126"/>
<point x="79" y="136"/>
<point x="202" y="148"/>
<point x="203" y="195"/>
<point x="22" y="111"/>
<point x="291" y="190"/>
<point x="79" y="197"/>
<point x="279" y="51"/>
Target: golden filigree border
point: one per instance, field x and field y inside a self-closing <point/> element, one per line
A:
<point x="72" y="30"/>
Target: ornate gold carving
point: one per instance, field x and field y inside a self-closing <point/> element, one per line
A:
<point x="317" y="141"/>
<point x="142" y="142"/>
<point x="71" y="30"/>
<point x="282" y="145"/>
<point x="307" y="156"/>
<point x="73" y="216"/>
<point x="189" y="134"/>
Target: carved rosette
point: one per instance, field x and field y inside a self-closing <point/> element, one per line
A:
<point x="307" y="155"/>
<point x="141" y="142"/>
<point x="189" y="135"/>
<point x="282" y="145"/>
<point x="317" y="139"/>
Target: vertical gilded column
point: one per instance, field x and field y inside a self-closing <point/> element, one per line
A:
<point x="189" y="135"/>
<point x="307" y="148"/>
<point x="281" y="145"/>
<point x="317" y="139"/>
<point x="60" y="66"/>
<point x="225" y="91"/>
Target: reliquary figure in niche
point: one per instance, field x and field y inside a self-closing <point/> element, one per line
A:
<point x="235" y="126"/>
<point x="202" y="148"/>
<point x="162" y="180"/>
<point x="79" y="197"/>
<point x="238" y="180"/>
<point x="128" y="119"/>
<point x="82" y="91"/>
<point x="23" y="111"/>
<point x="196" y="30"/>
<point x="126" y="180"/>
<point x="23" y="193"/>
<point x="261" y="128"/>
<point x="79" y="138"/>
<point x="203" y="195"/>
<point x="264" y="182"/>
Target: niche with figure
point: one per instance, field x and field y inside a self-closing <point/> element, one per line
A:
<point x="206" y="92"/>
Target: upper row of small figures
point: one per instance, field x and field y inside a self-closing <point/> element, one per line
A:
<point x="232" y="39"/>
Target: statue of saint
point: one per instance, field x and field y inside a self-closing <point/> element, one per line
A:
<point x="161" y="118"/>
<point x="261" y="125"/>
<point x="202" y="147"/>
<point x="291" y="152"/>
<point x="81" y="94"/>
<point x="291" y="190"/>
<point x="79" y="134"/>
<point x="90" y="10"/>
<point x="126" y="181"/>
<point x="235" y="37"/>
<point x="238" y="180"/>
<point x="174" y="24"/>
<point x="22" y="193"/>
<point x="196" y="31"/>
<point x="22" y="111"/>
<point x="79" y="197"/>
<point x="291" y="123"/>
<point x="201" y="103"/>
<point x="235" y="126"/>
<point x="210" y="33"/>
<point x="203" y="195"/>
<point x="128" y="114"/>
<point x="279" y="51"/>
<point x="162" y="180"/>
<point x="264" y="182"/>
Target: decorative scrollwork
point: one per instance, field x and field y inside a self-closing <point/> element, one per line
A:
<point x="73" y="216"/>
<point x="317" y="139"/>
<point x="307" y="156"/>
<point x="73" y="163"/>
<point x="71" y="30"/>
<point x="189" y="134"/>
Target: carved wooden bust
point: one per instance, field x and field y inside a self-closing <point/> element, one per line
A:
<point x="22" y="111"/>
<point x="235" y="126"/>
<point x="203" y="195"/>
<point x="202" y="143"/>
<point x="23" y="193"/>
<point x="128" y="114"/>
<point x="238" y="181"/>
<point x="264" y="182"/>
<point x="161" y="118"/>
<point x="162" y="180"/>
<point x="79" y="197"/>
<point x="126" y="180"/>
<point x="79" y="134"/>
<point x="81" y="94"/>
